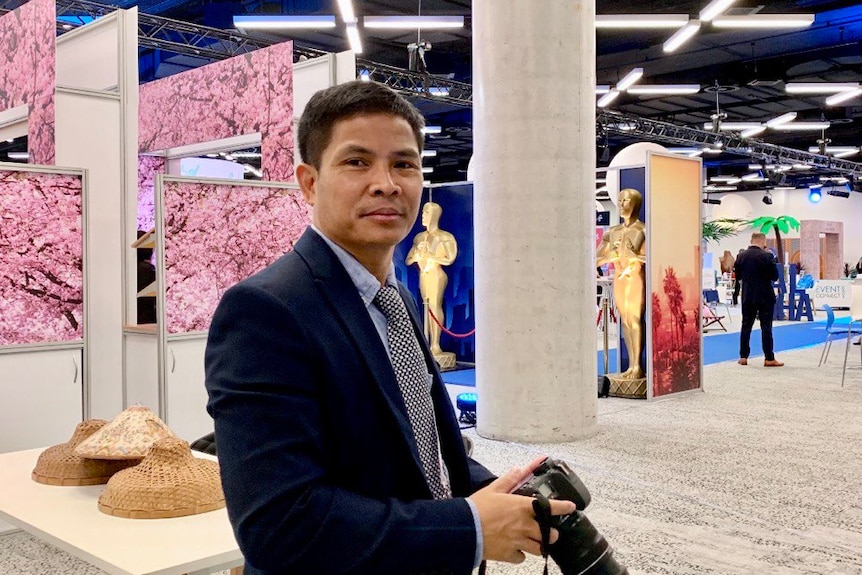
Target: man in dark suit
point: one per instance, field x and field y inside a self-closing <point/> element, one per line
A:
<point x="339" y="453"/>
<point x="755" y="268"/>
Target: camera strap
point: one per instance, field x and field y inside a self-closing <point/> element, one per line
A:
<point x="542" y="509"/>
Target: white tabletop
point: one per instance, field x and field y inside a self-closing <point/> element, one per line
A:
<point x="68" y="518"/>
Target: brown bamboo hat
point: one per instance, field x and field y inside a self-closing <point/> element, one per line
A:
<point x="128" y="436"/>
<point x="169" y="482"/>
<point x="60" y="465"/>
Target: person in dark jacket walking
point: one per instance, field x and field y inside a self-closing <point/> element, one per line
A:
<point x="756" y="269"/>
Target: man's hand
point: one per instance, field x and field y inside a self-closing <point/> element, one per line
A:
<point x="509" y="526"/>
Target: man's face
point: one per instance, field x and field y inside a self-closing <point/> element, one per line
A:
<point x="366" y="192"/>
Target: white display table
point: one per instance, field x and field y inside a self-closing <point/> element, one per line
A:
<point x="836" y="293"/>
<point x="68" y="518"/>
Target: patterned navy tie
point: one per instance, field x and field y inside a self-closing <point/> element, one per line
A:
<point x="412" y="376"/>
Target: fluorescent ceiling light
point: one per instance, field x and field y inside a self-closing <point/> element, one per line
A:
<point x="427" y="170"/>
<point x="681" y="36"/>
<point x="432" y="129"/>
<point x="819" y="87"/>
<point x="755" y="166"/>
<point x="438" y="91"/>
<point x="752" y="131"/>
<point x="683" y="150"/>
<point x="413" y="22"/>
<point x="722" y="178"/>
<point x="365" y="76"/>
<point x="720" y="188"/>
<point x="602" y="89"/>
<point x="283" y="22"/>
<point x="630" y="78"/>
<point x="801" y="167"/>
<point x="764" y="21"/>
<point x="715" y="8"/>
<point x="732" y="125"/>
<point x="608" y="98"/>
<point x="666" y="89"/>
<point x="245" y="154"/>
<point x="782" y="119"/>
<point x="18" y="155"/>
<point x="802" y="126"/>
<point x="621" y="21"/>
<point x="353" y="38"/>
<point x="754" y="177"/>
<point x="711" y="150"/>
<point x="429" y="153"/>
<point x="346" y="9"/>
<point x="426" y="183"/>
<point x="843" y="97"/>
<point x="837" y="151"/>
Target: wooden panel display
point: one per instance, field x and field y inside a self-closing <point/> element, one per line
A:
<point x="674" y="273"/>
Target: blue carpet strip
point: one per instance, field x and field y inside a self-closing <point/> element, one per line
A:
<point x="716" y="348"/>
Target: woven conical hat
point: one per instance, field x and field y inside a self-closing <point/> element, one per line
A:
<point x="60" y="465"/>
<point x="128" y="436"/>
<point x="169" y="482"/>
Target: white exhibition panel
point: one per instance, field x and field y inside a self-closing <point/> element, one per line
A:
<point x="345" y="67"/>
<point x="13" y="122"/>
<point x="142" y="370"/>
<point x="45" y="388"/>
<point x="185" y="392"/>
<point x="88" y="135"/>
<point x="88" y="57"/>
<point x="309" y="77"/>
<point x="834" y="293"/>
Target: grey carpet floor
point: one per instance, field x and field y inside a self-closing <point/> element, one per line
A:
<point x="761" y="474"/>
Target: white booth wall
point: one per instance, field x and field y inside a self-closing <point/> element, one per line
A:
<point x="793" y="203"/>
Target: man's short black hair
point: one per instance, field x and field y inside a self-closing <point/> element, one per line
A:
<point x="332" y="105"/>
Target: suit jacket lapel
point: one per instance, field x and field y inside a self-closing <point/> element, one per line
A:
<point x="344" y="300"/>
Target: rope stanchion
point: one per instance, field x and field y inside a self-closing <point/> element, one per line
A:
<point x="446" y="331"/>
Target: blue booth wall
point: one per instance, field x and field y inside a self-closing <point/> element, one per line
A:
<point x="456" y="200"/>
<point x="634" y="178"/>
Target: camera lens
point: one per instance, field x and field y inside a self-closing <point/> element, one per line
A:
<point x="582" y="550"/>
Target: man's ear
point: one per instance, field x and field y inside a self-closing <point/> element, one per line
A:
<point x="306" y="177"/>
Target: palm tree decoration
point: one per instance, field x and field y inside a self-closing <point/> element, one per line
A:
<point x="781" y="225"/>
<point x="717" y="230"/>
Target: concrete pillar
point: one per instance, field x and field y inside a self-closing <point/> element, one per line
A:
<point x="534" y="206"/>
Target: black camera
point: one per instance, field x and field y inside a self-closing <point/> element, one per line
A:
<point x="580" y="549"/>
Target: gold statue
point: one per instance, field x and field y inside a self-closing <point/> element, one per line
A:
<point x="624" y="246"/>
<point x="433" y="249"/>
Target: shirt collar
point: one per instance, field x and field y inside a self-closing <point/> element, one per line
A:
<point x="366" y="283"/>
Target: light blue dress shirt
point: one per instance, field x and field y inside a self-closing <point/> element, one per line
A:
<point x="368" y="286"/>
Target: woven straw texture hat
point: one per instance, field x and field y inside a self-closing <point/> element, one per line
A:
<point x="169" y="482"/>
<point x="60" y="465"/>
<point x="128" y="436"/>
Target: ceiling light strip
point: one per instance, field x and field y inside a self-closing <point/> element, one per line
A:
<point x="413" y="22"/>
<point x="608" y="98"/>
<point x="764" y="21"/>
<point x="842" y="97"/>
<point x="353" y="38"/>
<point x="802" y="126"/>
<point x="630" y="78"/>
<point x="681" y="36"/>
<point x="628" y="21"/>
<point x="819" y="87"/>
<point x="714" y="8"/>
<point x="665" y="89"/>
<point x="346" y="9"/>
<point x="283" y="22"/>
<point x="782" y="119"/>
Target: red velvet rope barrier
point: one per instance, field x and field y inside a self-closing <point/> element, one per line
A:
<point x="456" y="335"/>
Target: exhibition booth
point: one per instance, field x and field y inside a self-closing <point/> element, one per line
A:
<point x="103" y="151"/>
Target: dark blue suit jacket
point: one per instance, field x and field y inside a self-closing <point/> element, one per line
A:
<point x="319" y="466"/>
<point x="756" y="269"/>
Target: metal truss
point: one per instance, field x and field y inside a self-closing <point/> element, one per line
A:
<point x="631" y="125"/>
<point x="416" y="83"/>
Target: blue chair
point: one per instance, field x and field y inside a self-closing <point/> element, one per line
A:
<point x="712" y="300"/>
<point x="833" y="330"/>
